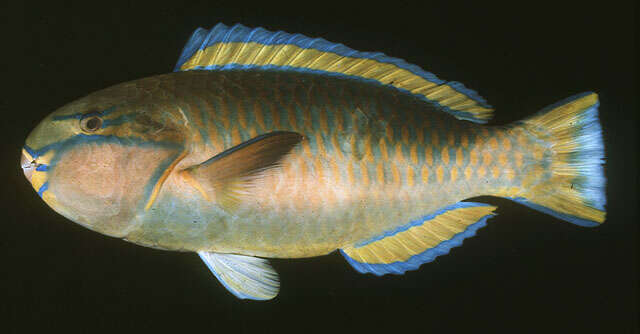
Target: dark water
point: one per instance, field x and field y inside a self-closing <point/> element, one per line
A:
<point x="525" y="271"/>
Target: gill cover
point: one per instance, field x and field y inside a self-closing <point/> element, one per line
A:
<point x="104" y="157"/>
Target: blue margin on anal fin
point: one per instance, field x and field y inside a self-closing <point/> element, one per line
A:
<point x="429" y="255"/>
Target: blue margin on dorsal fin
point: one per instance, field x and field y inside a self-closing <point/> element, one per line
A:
<point x="201" y="39"/>
<point x="192" y="46"/>
<point x="470" y="93"/>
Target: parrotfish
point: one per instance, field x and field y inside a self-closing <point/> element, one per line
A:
<point x="273" y="145"/>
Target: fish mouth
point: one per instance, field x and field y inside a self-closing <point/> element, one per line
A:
<point x="29" y="164"/>
<point x="35" y="168"/>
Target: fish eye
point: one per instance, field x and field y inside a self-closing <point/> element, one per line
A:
<point x="90" y="123"/>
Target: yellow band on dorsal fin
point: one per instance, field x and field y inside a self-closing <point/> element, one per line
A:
<point x="409" y="246"/>
<point x="239" y="47"/>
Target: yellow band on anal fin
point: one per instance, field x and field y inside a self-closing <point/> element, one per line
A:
<point x="420" y="241"/>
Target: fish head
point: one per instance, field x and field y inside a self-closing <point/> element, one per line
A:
<point x="99" y="160"/>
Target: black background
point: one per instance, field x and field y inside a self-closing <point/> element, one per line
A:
<point x="524" y="272"/>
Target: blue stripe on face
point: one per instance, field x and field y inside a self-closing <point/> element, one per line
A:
<point x="66" y="117"/>
<point x="80" y="115"/>
<point x="43" y="188"/>
<point x="83" y="139"/>
<point x="31" y="151"/>
<point x="118" y="120"/>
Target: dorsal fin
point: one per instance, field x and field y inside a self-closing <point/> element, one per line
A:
<point x="240" y="47"/>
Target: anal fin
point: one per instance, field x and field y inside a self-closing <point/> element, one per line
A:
<point x="247" y="277"/>
<point x="421" y="241"/>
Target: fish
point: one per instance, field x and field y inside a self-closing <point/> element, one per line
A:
<point x="265" y="144"/>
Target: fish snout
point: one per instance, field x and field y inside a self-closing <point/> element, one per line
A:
<point x="28" y="165"/>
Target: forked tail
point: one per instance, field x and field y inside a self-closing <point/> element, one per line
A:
<point x="575" y="190"/>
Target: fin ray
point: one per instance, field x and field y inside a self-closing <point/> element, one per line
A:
<point x="246" y="277"/>
<point x="575" y="191"/>
<point x="228" y="176"/>
<point x="409" y="246"/>
<point x="240" y="47"/>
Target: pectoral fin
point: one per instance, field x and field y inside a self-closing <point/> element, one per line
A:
<point x="246" y="277"/>
<point x="228" y="176"/>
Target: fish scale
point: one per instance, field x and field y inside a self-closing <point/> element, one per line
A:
<point x="278" y="145"/>
<point x="386" y="170"/>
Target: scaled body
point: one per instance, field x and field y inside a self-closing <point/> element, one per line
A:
<point x="277" y="145"/>
<point x="372" y="159"/>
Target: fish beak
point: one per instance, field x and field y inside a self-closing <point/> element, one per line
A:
<point x="28" y="165"/>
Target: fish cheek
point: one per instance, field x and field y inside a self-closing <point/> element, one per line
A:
<point x="102" y="186"/>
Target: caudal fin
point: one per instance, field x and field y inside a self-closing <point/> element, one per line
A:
<point x="575" y="191"/>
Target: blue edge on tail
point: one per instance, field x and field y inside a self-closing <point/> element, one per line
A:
<point x="415" y="261"/>
<point x="571" y="219"/>
<point x="590" y="182"/>
<point x="589" y="158"/>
